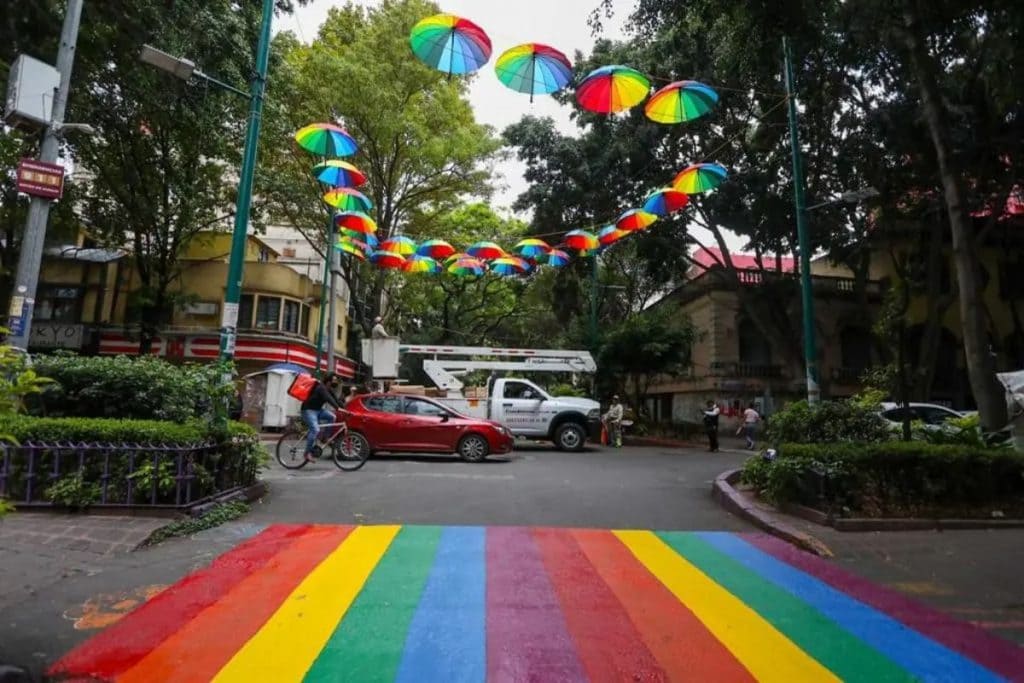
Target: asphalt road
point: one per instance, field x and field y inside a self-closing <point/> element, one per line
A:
<point x="628" y="488"/>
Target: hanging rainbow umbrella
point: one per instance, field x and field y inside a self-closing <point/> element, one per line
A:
<point x="338" y="173"/>
<point x="468" y="267"/>
<point x="510" y="265"/>
<point x="355" y="221"/>
<point x="450" y="44"/>
<point x="680" y="101"/>
<point x="353" y="247"/>
<point x="612" y="89"/>
<point x="610" y="234"/>
<point x="635" y="219"/>
<point x="556" y="258"/>
<point x="580" y="240"/>
<point x="421" y="264"/>
<point x="369" y="239"/>
<point x="531" y="247"/>
<point x="399" y="244"/>
<point x="699" y="178"/>
<point x="326" y="140"/>
<point x="346" y="199"/>
<point x="534" y="68"/>
<point x="436" y="249"/>
<point x="665" y="201"/>
<point x="387" y="260"/>
<point x="486" y="251"/>
<point x="455" y="257"/>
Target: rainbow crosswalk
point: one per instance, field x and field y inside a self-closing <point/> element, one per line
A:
<point x="420" y="603"/>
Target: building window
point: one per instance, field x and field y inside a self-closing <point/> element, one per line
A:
<point x="754" y="348"/>
<point x="245" y="312"/>
<point x="58" y="304"/>
<point x="304" y="321"/>
<point x="268" y="313"/>
<point x="855" y="344"/>
<point x="264" y="256"/>
<point x="341" y="332"/>
<point x="292" y="313"/>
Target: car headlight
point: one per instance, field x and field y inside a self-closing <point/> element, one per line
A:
<point x="594" y="414"/>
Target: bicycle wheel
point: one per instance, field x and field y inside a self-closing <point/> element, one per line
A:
<point x="350" y="451"/>
<point x="291" y="449"/>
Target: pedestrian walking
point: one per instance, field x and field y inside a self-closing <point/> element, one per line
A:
<point x="711" y="414"/>
<point x="613" y="422"/>
<point x="751" y="418"/>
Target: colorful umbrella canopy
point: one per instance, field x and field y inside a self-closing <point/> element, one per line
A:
<point x="635" y="219"/>
<point x="665" y="201"/>
<point x="468" y="266"/>
<point x="555" y="257"/>
<point x="338" y="173"/>
<point x="352" y="247"/>
<point x="421" y="264"/>
<point x="449" y="260"/>
<point x="348" y="200"/>
<point x="612" y="89"/>
<point x="610" y="234"/>
<point x="531" y="247"/>
<point x="326" y="140"/>
<point x="436" y="249"/>
<point x="680" y="101"/>
<point x="369" y="239"/>
<point x="387" y="260"/>
<point x="580" y="240"/>
<point x="486" y="251"/>
<point x="699" y="178"/>
<point x="534" y="68"/>
<point x="399" y="244"/>
<point x="450" y="44"/>
<point x="509" y="265"/>
<point x="355" y="221"/>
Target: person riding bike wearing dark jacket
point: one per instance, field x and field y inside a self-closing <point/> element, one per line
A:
<point x="314" y="412"/>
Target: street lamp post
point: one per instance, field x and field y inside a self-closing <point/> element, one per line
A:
<point x="185" y="69"/>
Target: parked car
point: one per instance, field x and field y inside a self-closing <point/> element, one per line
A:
<point x="932" y="415"/>
<point x="415" y="424"/>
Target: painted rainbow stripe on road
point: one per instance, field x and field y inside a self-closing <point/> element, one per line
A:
<point x="419" y="603"/>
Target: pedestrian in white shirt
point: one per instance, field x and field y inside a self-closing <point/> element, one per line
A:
<point x="613" y="421"/>
<point x="751" y="418"/>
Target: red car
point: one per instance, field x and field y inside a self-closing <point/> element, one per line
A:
<point x="414" y="424"/>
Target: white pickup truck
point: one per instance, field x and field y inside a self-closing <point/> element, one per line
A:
<point x="531" y="412"/>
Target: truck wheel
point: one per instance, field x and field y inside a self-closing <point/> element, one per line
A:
<point x="570" y="437"/>
<point x="473" y="448"/>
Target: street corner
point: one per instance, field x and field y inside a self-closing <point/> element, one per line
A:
<point x="432" y="603"/>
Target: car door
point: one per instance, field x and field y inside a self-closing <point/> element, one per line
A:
<point x="522" y="405"/>
<point x="382" y="426"/>
<point x="428" y="426"/>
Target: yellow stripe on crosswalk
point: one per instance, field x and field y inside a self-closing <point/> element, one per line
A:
<point x="765" y="652"/>
<point x="286" y="646"/>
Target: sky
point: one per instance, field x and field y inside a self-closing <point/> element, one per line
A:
<point x="561" y="24"/>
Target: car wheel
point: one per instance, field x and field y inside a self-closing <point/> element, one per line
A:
<point x="473" y="448"/>
<point x="570" y="437"/>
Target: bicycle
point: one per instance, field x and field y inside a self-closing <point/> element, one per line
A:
<point x="347" y="454"/>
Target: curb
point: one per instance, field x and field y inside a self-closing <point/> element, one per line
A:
<point x="673" y="443"/>
<point x="898" y="523"/>
<point x="735" y="502"/>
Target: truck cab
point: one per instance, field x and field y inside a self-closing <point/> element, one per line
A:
<point x="529" y="411"/>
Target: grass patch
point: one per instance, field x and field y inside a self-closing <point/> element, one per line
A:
<point x="215" y="516"/>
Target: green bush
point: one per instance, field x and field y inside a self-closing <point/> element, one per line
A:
<point x="566" y="390"/>
<point x="239" y="451"/>
<point x="131" y="388"/>
<point x="893" y="479"/>
<point x="853" y="420"/>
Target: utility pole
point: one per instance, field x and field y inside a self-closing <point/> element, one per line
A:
<point x="236" y="263"/>
<point x="325" y="290"/>
<point x="593" y="303"/>
<point x="30" y="258"/>
<point x="806" y="285"/>
<point x="332" y="323"/>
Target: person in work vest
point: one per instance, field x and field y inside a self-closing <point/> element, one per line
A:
<point x="613" y="422"/>
<point x="314" y="410"/>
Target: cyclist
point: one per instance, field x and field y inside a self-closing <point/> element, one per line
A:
<point x="314" y="412"/>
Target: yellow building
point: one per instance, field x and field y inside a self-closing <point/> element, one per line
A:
<point x="84" y="293"/>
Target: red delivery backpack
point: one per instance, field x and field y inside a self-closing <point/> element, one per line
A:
<point x="302" y="386"/>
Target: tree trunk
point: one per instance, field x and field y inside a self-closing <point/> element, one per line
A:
<point x="980" y="366"/>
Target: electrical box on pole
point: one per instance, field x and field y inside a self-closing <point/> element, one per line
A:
<point x="31" y="87"/>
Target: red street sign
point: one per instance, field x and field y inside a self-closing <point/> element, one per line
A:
<point x="40" y="179"/>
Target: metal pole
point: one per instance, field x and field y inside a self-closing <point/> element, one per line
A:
<point x="30" y="258"/>
<point x="806" y="286"/>
<point x="323" y="294"/>
<point x="593" y="303"/>
<point x="332" y="323"/>
<point x="236" y="264"/>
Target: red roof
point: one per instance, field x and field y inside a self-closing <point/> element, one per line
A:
<point x="711" y="257"/>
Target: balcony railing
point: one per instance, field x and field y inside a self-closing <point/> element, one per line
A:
<point x="845" y="375"/>
<point x="745" y="370"/>
<point x="822" y="283"/>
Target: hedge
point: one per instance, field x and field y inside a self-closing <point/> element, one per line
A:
<point x="240" y="452"/>
<point x="893" y="479"/>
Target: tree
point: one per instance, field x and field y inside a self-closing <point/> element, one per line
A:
<point x="420" y="147"/>
<point x="636" y="352"/>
